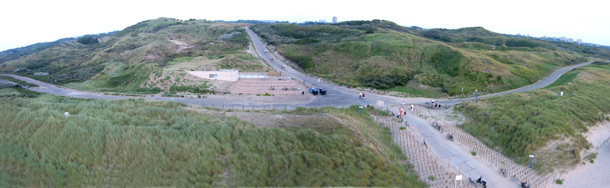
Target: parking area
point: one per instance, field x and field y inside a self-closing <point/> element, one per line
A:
<point x="273" y="86"/>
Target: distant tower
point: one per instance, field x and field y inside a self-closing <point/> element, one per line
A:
<point x="334" y="19"/>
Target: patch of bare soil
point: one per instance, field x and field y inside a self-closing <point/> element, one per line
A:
<point x="181" y="46"/>
<point x="175" y="75"/>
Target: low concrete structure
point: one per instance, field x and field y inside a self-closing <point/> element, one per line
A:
<point x="226" y="75"/>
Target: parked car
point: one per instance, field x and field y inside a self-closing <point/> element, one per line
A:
<point x="314" y="91"/>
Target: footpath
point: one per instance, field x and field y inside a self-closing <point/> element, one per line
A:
<point x="454" y="157"/>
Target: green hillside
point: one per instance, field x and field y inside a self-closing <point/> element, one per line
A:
<point x="383" y="55"/>
<point x="542" y="122"/>
<point x="140" y="143"/>
<point x="126" y="60"/>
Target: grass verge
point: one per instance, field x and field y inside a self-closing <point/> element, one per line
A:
<point x="542" y="121"/>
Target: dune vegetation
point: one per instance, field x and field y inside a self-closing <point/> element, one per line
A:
<point x="127" y="61"/>
<point x="382" y="55"/>
<point x="542" y="122"/>
<point x="140" y="143"/>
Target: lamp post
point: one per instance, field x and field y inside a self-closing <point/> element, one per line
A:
<point x="531" y="158"/>
<point x="476" y="95"/>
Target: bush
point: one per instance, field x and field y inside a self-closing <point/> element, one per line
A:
<point x="385" y="81"/>
<point x="87" y="40"/>
<point x="303" y="61"/>
<point x="559" y="181"/>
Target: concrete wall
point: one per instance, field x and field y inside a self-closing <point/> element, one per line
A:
<point x="220" y="75"/>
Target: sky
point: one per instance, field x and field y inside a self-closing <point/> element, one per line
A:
<point x="27" y="22"/>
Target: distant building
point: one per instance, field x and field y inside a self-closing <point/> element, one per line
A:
<point x="570" y="40"/>
<point x="579" y="41"/>
<point x="322" y="21"/>
<point x="268" y="21"/>
<point x="334" y="19"/>
<point x="564" y="39"/>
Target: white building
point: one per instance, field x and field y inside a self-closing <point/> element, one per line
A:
<point x="579" y="41"/>
<point x="334" y="19"/>
<point x="226" y="75"/>
<point x="322" y="21"/>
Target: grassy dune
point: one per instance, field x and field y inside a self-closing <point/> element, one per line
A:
<point x="123" y="62"/>
<point x="383" y="55"/>
<point x="139" y="143"/>
<point x="542" y="122"/>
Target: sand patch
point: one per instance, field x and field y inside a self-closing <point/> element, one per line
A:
<point x="591" y="174"/>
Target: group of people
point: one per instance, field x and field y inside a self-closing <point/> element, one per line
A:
<point x="360" y="96"/>
<point x="402" y="112"/>
<point x="435" y="104"/>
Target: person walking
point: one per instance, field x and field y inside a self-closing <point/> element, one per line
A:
<point x="411" y="107"/>
<point x="403" y="103"/>
<point x="425" y="143"/>
<point x="360" y="96"/>
<point x="400" y="112"/>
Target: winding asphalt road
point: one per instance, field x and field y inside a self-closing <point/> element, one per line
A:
<point x="336" y="96"/>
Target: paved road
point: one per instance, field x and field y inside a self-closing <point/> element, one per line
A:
<point x="336" y="96"/>
<point x="540" y="84"/>
<point x="448" y="151"/>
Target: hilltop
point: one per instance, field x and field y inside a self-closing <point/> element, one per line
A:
<point x="383" y="55"/>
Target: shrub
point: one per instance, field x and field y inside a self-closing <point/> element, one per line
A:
<point x="87" y="40"/>
<point x="559" y="181"/>
<point x="474" y="153"/>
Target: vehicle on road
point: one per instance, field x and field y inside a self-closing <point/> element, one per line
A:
<point x="322" y="91"/>
<point x="313" y="91"/>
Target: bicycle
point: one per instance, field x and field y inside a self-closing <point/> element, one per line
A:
<point x="503" y="172"/>
<point x="473" y="182"/>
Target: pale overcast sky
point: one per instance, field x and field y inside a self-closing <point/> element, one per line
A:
<point x="26" y="22"/>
